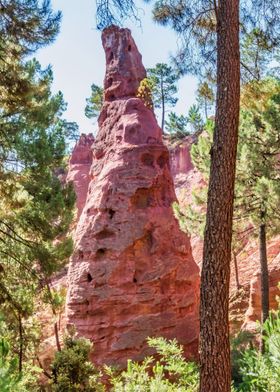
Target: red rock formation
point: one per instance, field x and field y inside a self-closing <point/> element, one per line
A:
<point x="187" y="179"/>
<point x="180" y="156"/>
<point x="132" y="274"/>
<point x="79" y="167"/>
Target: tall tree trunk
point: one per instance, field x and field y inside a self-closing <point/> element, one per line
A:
<point x="264" y="275"/>
<point x="163" y="107"/>
<point x="234" y="257"/>
<point x="215" y="375"/>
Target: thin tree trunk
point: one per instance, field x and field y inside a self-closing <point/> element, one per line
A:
<point x="264" y="276"/>
<point x="163" y="107"/>
<point x="215" y="375"/>
<point x="20" y="355"/>
<point x="56" y="334"/>
<point x="234" y="257"/>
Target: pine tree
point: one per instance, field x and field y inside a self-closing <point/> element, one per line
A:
<point x="257" y="194"/>
<point x="163" y="80"/>
<point x="258" y="190"/>
<point x="94" y="102"/>
<point x="205" y="97"/>
<point x="176" y="125"/>
<point x="194" y="118"/>
<point x="35" y="208"/>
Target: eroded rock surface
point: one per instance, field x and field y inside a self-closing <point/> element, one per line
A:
<point x="132" y="274"/>
<point x="78" y="172"/>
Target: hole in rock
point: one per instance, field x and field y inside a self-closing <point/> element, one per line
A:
<point x="119" y="139"/>
<point x="147" y="159"/>
<point x="111" y="213"/>
<point x="129" y="48"/>
<point x="100" y="252"/>
<point x="111" y="97"/>
<point x="81" y="254"/>
<point x="110" y="82"/>
<point x="89" y="277"/>
<point x="162" y="160"/>
<point x="111" y="56"/>
<point x="134" y="280"/>
<point x="104" y="234"/>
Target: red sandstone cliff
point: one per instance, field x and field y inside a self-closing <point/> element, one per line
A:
<point x="132" y="274"/>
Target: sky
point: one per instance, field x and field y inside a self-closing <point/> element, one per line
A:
<point x="78" y="60"/>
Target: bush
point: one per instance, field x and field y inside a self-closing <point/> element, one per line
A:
<point x="171" y="373"/>
<point x="72" y="371"/>
<point x="261" y="372"/>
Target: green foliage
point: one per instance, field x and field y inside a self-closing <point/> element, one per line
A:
<point x="94" y="102"/>
<point x="170" y="373"/>
<point x="41" y="24"/>
<point x="35" y="207"/>
<point x="176" y="126"/>
<point x="72" y="370"/>
<point x="9" y="378"/>
<point x="261" y="372"/>
<point x="257" y="190"/>
<point x="194" y="118"/>
<point x="163" y="81"/>
<point x="205" y="97"/>
<point x="195" y="22"/>
<point x="257" y="178"/>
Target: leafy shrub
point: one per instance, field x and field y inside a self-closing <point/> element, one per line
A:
<point x="261" y="372"/>
<point x="9" y="378"/>
<point x="171" y="373"/>
<point x="71" y="368"/>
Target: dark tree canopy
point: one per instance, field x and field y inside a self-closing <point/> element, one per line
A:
<point x="29" y="24"/>
<point x="110" y="12"/>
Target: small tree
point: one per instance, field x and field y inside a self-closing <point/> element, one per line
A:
<point x="194" y="118"/>
<point x="176" y="125"/>
<point x="94" y="102"/>
<point x="71" y="369"/>
<point x="205" y="97"/>
<point x="164" y="89"/>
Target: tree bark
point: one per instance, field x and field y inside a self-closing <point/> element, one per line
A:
<point x="264" y="276"/>
<point x="215" y="375"/>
